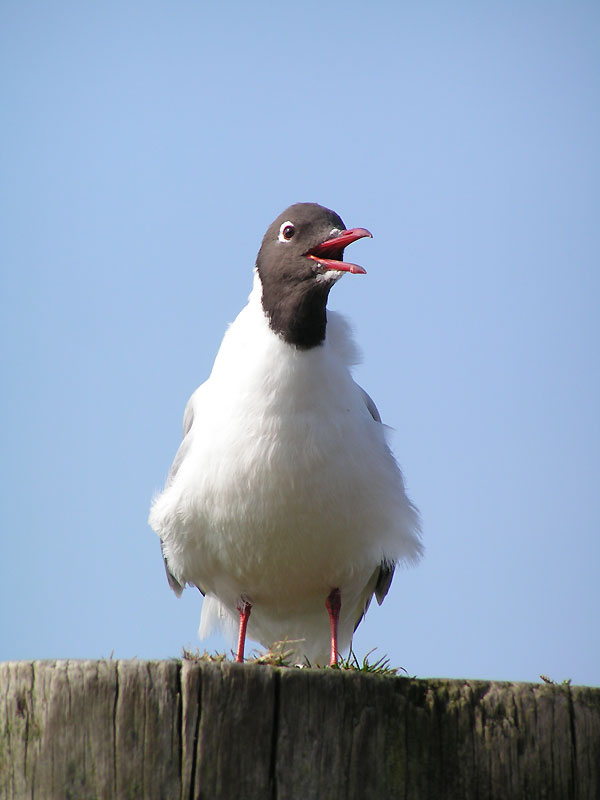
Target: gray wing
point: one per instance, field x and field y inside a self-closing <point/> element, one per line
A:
<point x="381" y="580"/>
<point x="385" y="571"/>
<point x="173" y="582"/>
<point x="188" y="421"/>
<point x="373" y="411"/>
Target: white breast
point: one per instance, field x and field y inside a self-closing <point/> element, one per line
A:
<point x="287" y="488"/>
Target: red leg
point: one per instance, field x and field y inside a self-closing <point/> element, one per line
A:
<point x="334" y="604"/>
<point x="244" y="607"/>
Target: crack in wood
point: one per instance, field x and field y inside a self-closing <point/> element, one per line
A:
<point x="114" y="731"/>
<point x="195" y="743"/>
<point x="274" y="735"/>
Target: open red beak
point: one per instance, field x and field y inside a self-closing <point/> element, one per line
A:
<point x="335" y="247"/>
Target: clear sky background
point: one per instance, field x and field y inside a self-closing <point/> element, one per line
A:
<point x="144" y="149"/>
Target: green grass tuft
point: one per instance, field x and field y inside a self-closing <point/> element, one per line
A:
<point x="281" y="655"/>
<point x="196" y="656"/>
<point x="381" y="666"/>
<point x="550" y="682"/>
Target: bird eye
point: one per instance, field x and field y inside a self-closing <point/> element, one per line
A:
<point x="286" y="231"/>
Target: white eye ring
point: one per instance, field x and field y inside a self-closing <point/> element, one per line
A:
<point x="287" y="225"/>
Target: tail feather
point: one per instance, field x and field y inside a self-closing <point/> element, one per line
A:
<point x="216" y="616"/>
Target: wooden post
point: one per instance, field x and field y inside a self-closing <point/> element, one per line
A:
<point x="71" y="730"/>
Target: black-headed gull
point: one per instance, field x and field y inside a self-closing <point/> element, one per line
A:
<point x="284" y="499"/>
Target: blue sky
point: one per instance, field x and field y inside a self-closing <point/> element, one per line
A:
<point x="144" y="150"/>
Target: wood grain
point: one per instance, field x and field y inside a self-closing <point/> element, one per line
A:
<point x="77" y="730"/>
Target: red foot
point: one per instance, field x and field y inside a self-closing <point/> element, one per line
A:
<point x="244" y="607"/>
<point x="334" y="604"/>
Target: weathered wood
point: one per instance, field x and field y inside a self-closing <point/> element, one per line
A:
<point x="75" y="730"/>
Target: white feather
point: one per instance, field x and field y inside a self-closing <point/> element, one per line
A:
<point x="286" y="488"/>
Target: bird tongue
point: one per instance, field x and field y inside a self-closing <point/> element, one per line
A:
<point x="335" y="246"/>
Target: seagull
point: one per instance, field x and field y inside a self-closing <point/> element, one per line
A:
<point x="284" y="505"/>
